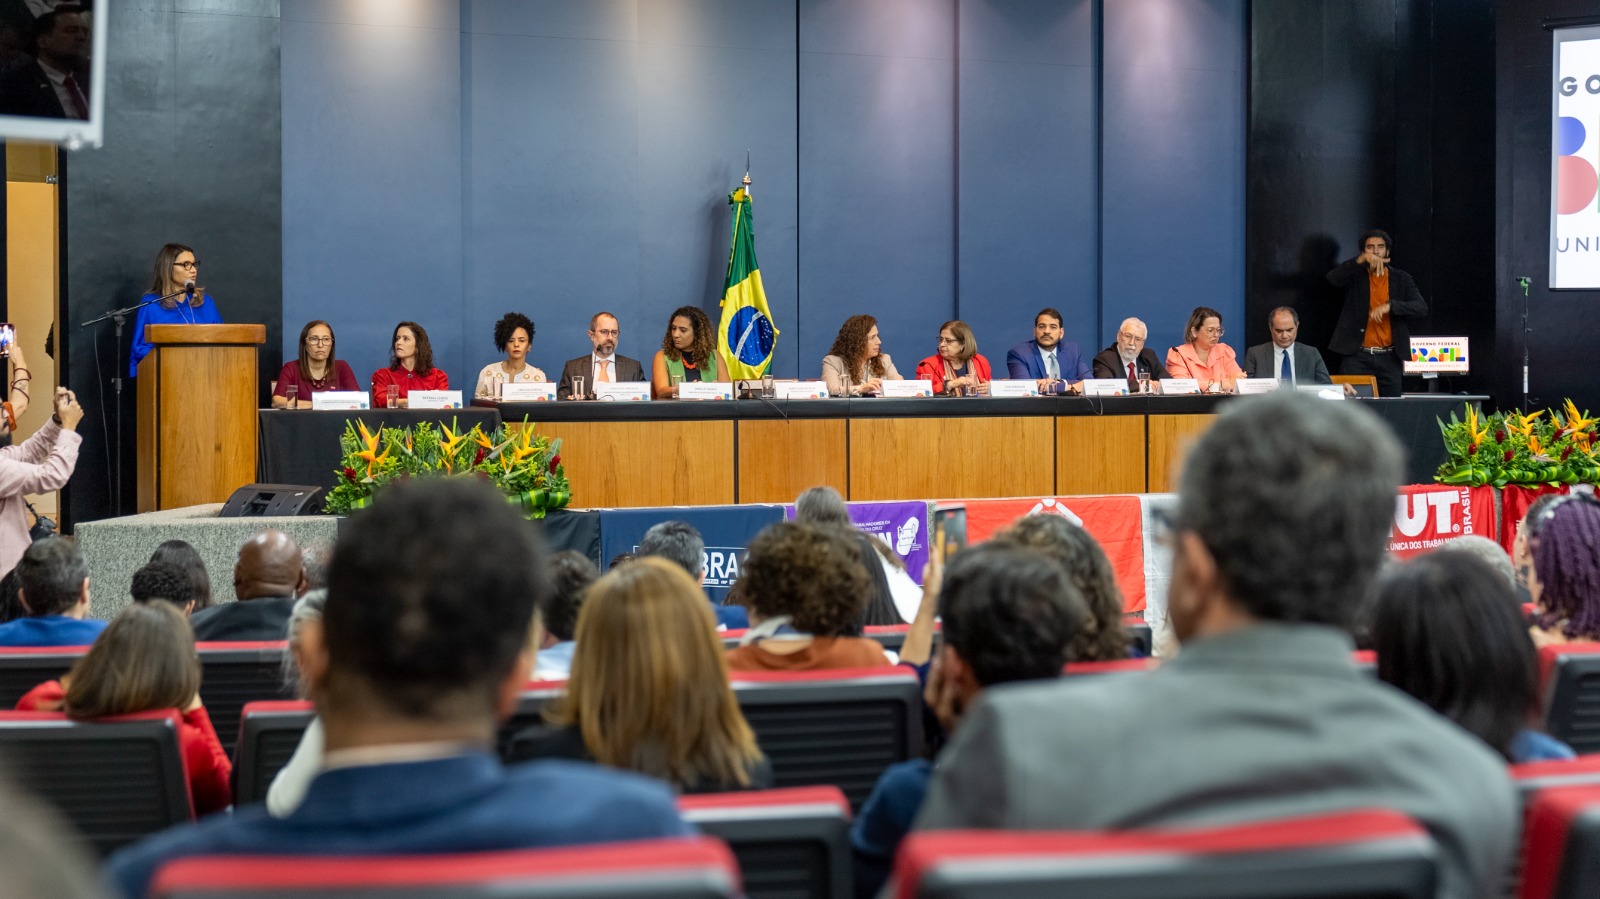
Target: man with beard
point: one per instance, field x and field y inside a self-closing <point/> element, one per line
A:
<point x="603" y="364"/>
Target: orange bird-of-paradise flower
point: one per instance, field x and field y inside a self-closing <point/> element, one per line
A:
<point x="1575" y="421"/>
<point x="526" y="448"/>
<point x="1478" y="435"/>
<point x="370" y="441"/>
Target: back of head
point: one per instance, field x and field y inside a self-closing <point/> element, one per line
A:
<point x="649" y="684"/>
<point x="431" y="596"/>
<point x="144" y="660"/>
<point x="822" y="505"/>
<point x="51" y="575"/>
<point x="811" y="573"/>
<point x="314" y="560"/>
<point x="1293" y="497"/>
<point x="1102" y="638"/>
<point x="41" y="854"/>
<point x="1448" y="630"/>
<point x="1566" y="558"/>
<point x="162" y="581"/>
<point x="571" y="573"/>
<point x="677" y="542"/>
<point x="11" y="607"/>
<point x="181" y="553"/>
<point x="270" y="565"/>
<point x="1009" y="612"/>
<point x="1486" y="551"/>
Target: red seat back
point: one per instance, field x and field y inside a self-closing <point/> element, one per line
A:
<point x="269" y="733"/>
<point x="1561" y="844"/>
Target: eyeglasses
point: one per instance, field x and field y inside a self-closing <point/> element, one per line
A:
<point x="1214" y="332"/>
<point x="945" y="340"/>
<point x="1131" y="338"/>
<point x="189" y="265"/>
<point x="607" y="333"/>
<point x="319" y="340"/>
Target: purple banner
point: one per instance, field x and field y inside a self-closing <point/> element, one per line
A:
<point x="903" y="526"/>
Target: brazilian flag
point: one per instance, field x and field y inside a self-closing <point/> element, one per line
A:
<point x="746" y="336"/>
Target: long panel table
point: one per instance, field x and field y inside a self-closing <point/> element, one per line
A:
<point x="701" y="453"/>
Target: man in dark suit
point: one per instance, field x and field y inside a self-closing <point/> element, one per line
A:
<point x="1380" y="302"/>
<point x="1048" y="359"/>
<point x="601" y="365"/>
<point x="1284" y="358"/>
<point x="267" y="580"/>
<point x="1114" y="361"/>
<point x="50" y="86"/>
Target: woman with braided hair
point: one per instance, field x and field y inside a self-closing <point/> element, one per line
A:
<point x="1565" y="580"/>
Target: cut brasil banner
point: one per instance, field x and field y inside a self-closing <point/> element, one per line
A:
<point x="1426" y="515"/>
<point x="746" y="335"/>
<point x="1113" y="521"/>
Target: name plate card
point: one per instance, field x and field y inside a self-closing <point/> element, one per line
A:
<point x="1246" y="386"/>
<point x="528" y="392"/>
<point x="907" y="388"/>
<point x="434" y="399"/>
<point x="344" y="400"/>
<point x="1105" y="387"/>
<point x="801" y="390"/>
<point x="706" y="390"/>
<point x="622" y="391"/>
<point x="1323" y="391"/>
<point x="1179" y="386"/>
<point x="1022" y="387"/>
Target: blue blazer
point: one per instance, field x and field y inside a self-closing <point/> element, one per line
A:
<point x="1024" y="361"/>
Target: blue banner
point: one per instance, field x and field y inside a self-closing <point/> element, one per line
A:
<point x="726" y="530"/>
<point x="902" y="525"/>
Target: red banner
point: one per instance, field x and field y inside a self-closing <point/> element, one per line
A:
<point x="1426" y="515"/>
<point x="1514" y="503"/>
<point x="1113" y="521"/>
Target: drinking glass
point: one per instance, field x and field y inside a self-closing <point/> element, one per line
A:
<point x="767" y="388"/>
<point x="577" y="388"/>
<point x="291" y="395"/>
<point x="394" y="396"/>
<point x="1144" y="384"/>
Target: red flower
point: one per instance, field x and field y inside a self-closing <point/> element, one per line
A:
<point x="1565" y="453"/>
<point x="554" y="461"/>
<point x="1472" y="449"/>
<point x="1500" y="436"/>
<point x="478" y="458"/>
<point x="1555" y="435"/>
<point x="350" y="473"/>
<point x="1508" y="455"/>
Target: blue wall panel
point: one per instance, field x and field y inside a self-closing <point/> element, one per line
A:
<point x="1027" y="170"/>
<point x="1173" y="165"/>
<point x="877" y="173"/>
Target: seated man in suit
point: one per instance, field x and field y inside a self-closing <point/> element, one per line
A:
<point x="54" y="587"/>
<point x="1129" y="358"/>
<point x="604" y="364"/>
<point x="1283" y="517"/>
<point x="425" y="640"/>
<point x="1048" y="359"/>
<point x="269" y="576"/>
<point x="1284" y="358"/>
<point x="55" y="84"/>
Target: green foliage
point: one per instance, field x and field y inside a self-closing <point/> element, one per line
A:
<point x="1545" y="447"/>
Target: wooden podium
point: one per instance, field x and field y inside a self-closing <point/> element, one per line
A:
<point x="197" y="413"/>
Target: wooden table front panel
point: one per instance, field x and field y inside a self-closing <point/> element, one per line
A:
<point x="627" y="464"/>
<point x="778" y="459"/>
<point x="928" y="458"/>
<point x="1100" y="454"/>
<point x="1170" y="437"/>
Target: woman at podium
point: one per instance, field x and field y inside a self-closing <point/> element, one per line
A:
<point x="410" y="368"/>
<point x="315" y="371"/>
<point x="176" y="297"/>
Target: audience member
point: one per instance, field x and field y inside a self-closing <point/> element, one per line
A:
<point x="680" y="543"/>
<point x="804" y="585"/>
<point x="1565" y="579"/>
<point x="288" y="786"/>
<point x="53" y="586"/>
<point x="180" y="553"/>
<point x="1010" y="614"/>
<point x="163" y="581"/>
<point x="11" y="607"/>
<point x="649" y="689"/>
<point x="423" y="646"/>
<point x="1484" y="550"/>
<point x="1448" y="630"/>
<point x="267" y="579"/>
<point x="894" y="596"/>
<point x="314" y="558"/>
<point x="1102" y="637"/>
<point x="1285" y="508"/>
<point x="41" y="854"/>
<point x="621" y="559"/>
<point x="41" y="464"/>
<point x="146" y="661"/>
<point x="571" y="573"/>
<point x="1528" y="530"/>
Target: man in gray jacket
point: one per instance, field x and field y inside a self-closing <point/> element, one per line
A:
<point x="1286" y="505"/>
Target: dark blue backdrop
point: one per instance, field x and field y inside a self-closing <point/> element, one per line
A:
<point x="449" y="160"/>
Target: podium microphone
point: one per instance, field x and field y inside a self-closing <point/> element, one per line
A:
<point x="188" y="288"/>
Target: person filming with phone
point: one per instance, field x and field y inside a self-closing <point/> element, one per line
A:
<point x="40" y="464"/>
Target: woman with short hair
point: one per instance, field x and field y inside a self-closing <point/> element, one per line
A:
<point x="1203" y="356"/>
<point x="957" y="368"/>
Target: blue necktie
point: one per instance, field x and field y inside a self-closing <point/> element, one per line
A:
<point x="1288" y="373"/>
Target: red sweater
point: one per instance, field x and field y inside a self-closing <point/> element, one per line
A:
<point x="932" y="369"/>
<point x="203" y="758"/>
<point x="407" y="381"/>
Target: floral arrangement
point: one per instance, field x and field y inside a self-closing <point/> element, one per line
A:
<point x="526" y="467"/>
<point x="1544" y="447"/>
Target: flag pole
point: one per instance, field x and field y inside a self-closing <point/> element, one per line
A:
<point x="746" y="181"/>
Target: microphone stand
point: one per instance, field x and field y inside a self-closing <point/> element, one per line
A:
<point x="120" y="316"/>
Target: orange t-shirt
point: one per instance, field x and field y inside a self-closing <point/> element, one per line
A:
<point x="822" y="653"/>
<point x="1377" y="294"/>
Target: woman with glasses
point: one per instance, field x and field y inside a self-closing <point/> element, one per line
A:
<point x="1203" y="356"/>
<point x="315" y="371"/>
<point x="957" y="368"/>
<point x="177" y="278"/>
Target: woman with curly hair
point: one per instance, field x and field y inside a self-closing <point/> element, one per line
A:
<point x="805" y="585"/>
<point x="513" y="335"/>
<point x="1565" y="580"/>
<point x="688" y="353"/>
<point x="1102" y="638"/>
<point x="856" y="365"/>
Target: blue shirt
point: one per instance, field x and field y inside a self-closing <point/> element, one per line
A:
<point x="462" y="803"/>
<point x="885" y="820"/>
<point x="50" y="630"/>
<point x="731" y="617"/>
<point x="154" y="314"/>
<point x="1533" y="746"/>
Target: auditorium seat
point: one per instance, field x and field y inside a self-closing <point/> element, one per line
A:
<point x="233" y="674"/>
<point x="692" y="868"/>
<point x="1561" y="844"/>
<point x="1569" y="677"/>
<point x="1119" y="666"/>
<point x="792" y="842"/>
<point x="1532" y="777"/>
<point x="115" y="780"/>
<point x="1352" y="854"/>
<point x="24" y="667"/>
<point x="891" y="636"/>
<point x="1143" y="639"/>
<point x="269" y="731"/>
<point x="530" y="707"/>
<point x="840" y="727"/>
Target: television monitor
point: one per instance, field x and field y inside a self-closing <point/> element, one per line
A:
<point x="1437" y="356"/>
<point x="53" y="72"/>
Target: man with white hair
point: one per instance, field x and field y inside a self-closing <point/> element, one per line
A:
<point x="1128" y="358"/>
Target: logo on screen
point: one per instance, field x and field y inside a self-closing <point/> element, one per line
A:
<point x="1576" y="180"/>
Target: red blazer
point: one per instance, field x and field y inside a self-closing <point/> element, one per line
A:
<point x="407" y="381"/>
<point x="203" y="757"/>
<point x="932" y="369"/>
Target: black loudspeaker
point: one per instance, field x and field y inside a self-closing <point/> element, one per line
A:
<point x="262" y="500"/>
